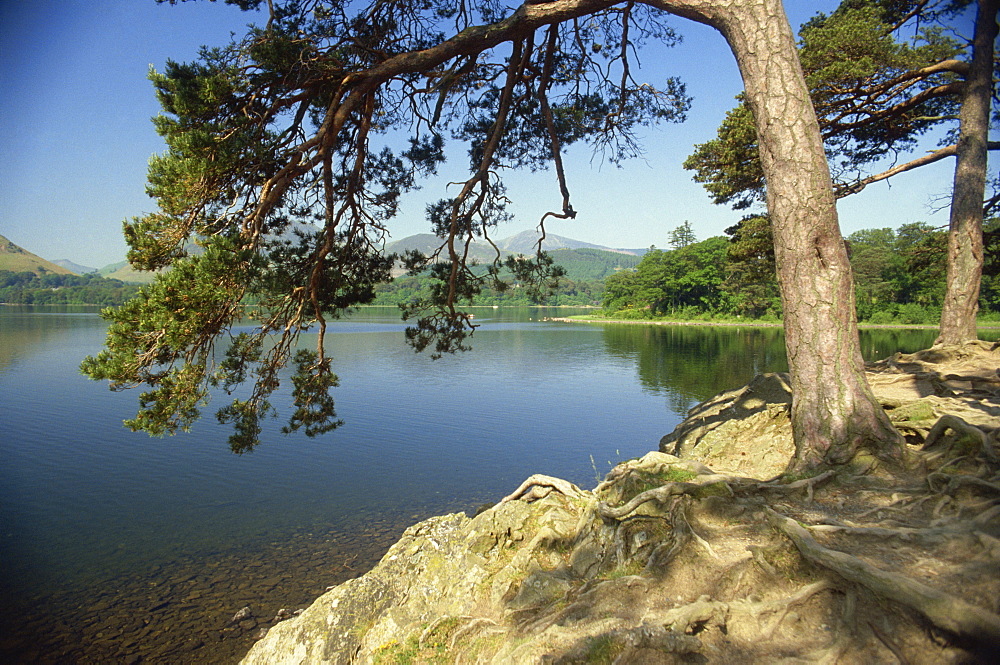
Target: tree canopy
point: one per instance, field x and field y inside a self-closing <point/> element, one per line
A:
<point x="876" y="94"/>
<point x="281" y="165"/>
<point x="285" y="125"/>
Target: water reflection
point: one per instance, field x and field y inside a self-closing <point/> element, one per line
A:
<point x="690" y="364"/>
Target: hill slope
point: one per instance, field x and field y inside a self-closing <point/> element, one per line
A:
<point x="126" y="273"/>
<point x="18" y="259"/>
<point x="74" y="267"/>
<point x="525" y="242"/>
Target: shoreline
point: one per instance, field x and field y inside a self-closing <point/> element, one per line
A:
<point x="751" y="324"/>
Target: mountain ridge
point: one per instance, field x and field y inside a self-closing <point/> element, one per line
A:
<point x="524" y="242"/>
<point x="15" y="258"/>
<point x="73" y="267"/>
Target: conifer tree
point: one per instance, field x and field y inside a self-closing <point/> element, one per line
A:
<point x="285" y="124"/>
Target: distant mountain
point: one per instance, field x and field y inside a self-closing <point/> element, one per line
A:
<point x="18" y="259"/>
<point x="525" y="242"/>
<point x="74" y="267"/>
<point x="582" y="260"/>
<point x="427" y="243"/>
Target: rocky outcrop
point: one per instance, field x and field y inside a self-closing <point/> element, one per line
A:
<point x="670" y="561"/>
<point x="545" y="576"/>
<point x="748" y="431"/>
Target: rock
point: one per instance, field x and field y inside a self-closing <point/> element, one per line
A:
<point x="242" y="615"/>
<point x="549" y="575"/>
<point x="744" y="432"/>
<point x="747" y="431"/>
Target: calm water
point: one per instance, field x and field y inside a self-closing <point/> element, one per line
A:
<point x="92" y="515"/>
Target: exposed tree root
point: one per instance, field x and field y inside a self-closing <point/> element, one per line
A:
<point x="950" y="483"/>
<point x="665" y="552"/>
<point x="947" y="612"/>
<point x="809" y="483"/>
<point x="652" y="636"/>
<point x="907" y="534"/>
<point x="663" y="494"/>
<point x="955" y="423"/>
<point x="889" y="644"/>
<point x="539" y="486"/>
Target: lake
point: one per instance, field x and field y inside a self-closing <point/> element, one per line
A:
<point x="116" y="547"/>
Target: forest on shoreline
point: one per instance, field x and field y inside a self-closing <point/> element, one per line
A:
<point x="29" y="288"/>
<point x="899" y="279"/>
<point x="899" y="276"/>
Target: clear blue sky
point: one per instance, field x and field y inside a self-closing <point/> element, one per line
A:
<point x="75" y="135"/>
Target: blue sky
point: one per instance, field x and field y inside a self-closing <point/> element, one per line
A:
<point x="75" y="136"/>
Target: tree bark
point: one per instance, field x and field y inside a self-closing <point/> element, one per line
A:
<point x="965" y="235"/>
<point x="834" y="412"/>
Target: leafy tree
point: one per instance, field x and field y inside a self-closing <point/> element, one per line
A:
<point x="898" y="268"/>
<point x="874" y="97"/>
<point x="282" y="125"/>
<point x="990" y="293"/>
<point x="750" y="286"/>
<point x="665" y="282"/>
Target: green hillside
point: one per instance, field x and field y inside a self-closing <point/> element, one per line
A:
<point x="126" y="273"/>
<point x="17" y="259"/>
<point x="583" y="283"/>
<point x="586" y="263"/>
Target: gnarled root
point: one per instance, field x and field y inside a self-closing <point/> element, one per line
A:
<point x="949" y="483"/>
<point x="947" y="612"/>
<point x="808" y="483"/>
<point x="539" y="486"/>
<point x="955" y="423"/>
<point x="661" y="494"/>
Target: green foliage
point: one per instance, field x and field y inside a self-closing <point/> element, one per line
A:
<point x="872" y="94"/>
<point x="682" y="236"/>
<point x="899" y="277"/>
<point x="27" y="288"/>
<point x="166" y="337"/>
<point x="751" y="288"/>
<point x="667" y="281"/>
<point x="729" y="166"/>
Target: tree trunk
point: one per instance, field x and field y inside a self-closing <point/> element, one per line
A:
<point x="834" y="412"/>
<point x="965" y="235"/>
